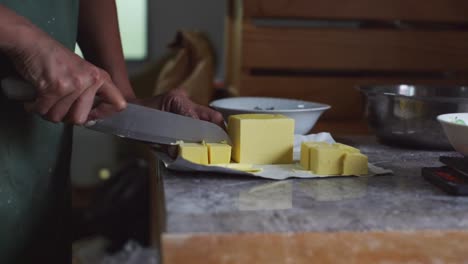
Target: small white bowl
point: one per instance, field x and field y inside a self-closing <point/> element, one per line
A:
<point x="305" y="114"/>
<point x="456" y="131"/>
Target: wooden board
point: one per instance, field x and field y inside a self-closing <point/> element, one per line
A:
<point x="365" y="247"/>
<point x="232" y="51"/>
<point x="338" y="49"/>
<point x="428" y="10"/>
<point x="339" y="92"/>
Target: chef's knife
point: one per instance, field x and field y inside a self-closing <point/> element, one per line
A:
<point x="136" y="122"/>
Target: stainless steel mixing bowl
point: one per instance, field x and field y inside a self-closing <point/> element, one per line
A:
<point x="407" y="114"/>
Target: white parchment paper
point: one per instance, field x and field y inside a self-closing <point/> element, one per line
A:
<point x="276" y="172"/>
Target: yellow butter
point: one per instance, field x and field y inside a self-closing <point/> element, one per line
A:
<point x="261" y="138"/>
<point x="333" y="159"/>
<point x="194" y="152"/>
<point x="305" y="157"/>
<point x="347" y="148"/>
<point x="219" y="153"/>
<point x="355" y="164"/>
<point x="326" y="160"/>
<point x="304" y="161"/>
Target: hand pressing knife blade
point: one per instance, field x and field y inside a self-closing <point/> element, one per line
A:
<point x="136" y="122"/>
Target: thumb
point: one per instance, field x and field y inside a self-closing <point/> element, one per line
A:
<point x="110" y="94"/>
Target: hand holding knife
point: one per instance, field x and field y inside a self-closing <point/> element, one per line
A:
<point x="136" y="122"/>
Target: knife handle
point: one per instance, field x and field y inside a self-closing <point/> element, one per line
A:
<point x="17" y="89"/>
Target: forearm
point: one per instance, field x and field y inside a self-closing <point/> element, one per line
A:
<point x="16" y="32"/>
<point x="99" y="39"/>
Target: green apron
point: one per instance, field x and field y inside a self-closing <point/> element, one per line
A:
<point x="35" y="159"/>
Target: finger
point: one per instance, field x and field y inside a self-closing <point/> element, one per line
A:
<point x="105" y="108"/>
<point x="59" y="111"/>
<point x="109" y="93"/>
<point x="180" y="105"/>
<point x="102" y="110"/>
<point x="43" y="104"/>
<point x="81" y="108"/>
<point x="190" y="113"/>
<point x="210" y="115"/>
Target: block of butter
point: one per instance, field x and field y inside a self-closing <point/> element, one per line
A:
<point x="333" y="159"/>
<point x="194" y="152"/>
<point x="261" y="138"/>
<point x="219" y="153"/>
<point x="355" y="164"/>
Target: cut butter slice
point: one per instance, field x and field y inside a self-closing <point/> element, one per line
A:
<point x="219" y="153"/>
<point x="333" y="159"/>
<point x="326" y="160"/>
<point x="194" y="152"/>
<point x="347" y="148"/>
<point x="355" y="164"/>
<point x="305" y="153"/>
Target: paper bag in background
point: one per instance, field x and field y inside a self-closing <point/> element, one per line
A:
<point x="190" y="65"/>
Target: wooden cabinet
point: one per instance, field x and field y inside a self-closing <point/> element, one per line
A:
<point x="321" y="50"/>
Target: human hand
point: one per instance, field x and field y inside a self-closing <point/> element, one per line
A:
<point x="177" y="101"/>
<point x="66" y="84"/>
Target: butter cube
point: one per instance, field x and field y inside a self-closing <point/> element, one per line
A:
<point x="347" y="148"/>
<point x="304" y="161"/>
<point x="219" y="153"/>
<point x="194" y="152"/>
<point x="355" y="164"/>
<point x="305" y="152"/>
<point x="333" y="159"/>
<point x="261" y="138"/>
<point x="326" y="160"/>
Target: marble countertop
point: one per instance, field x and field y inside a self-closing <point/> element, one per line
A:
<point x="403" y="201"/>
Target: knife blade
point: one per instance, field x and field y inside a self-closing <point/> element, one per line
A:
<point x="137" y="122"/>
<point x="151" y="125"/>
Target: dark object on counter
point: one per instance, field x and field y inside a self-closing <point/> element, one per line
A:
<point x="407" y="114"/>
<point x="460" y="164"/>
<point x="119" y="210"/>
<point x="452" y="178"/>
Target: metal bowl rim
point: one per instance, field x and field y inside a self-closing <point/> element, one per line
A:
<point x="369" y="90"/>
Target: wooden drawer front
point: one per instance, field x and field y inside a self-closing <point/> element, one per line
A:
<point x="344" y="49"/>
<point x="320" y="50"/>
<point x="410" y="10"/>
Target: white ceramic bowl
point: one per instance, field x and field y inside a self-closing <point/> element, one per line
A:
<point x="305" y="114"/>
<point x="456" y="129"/>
